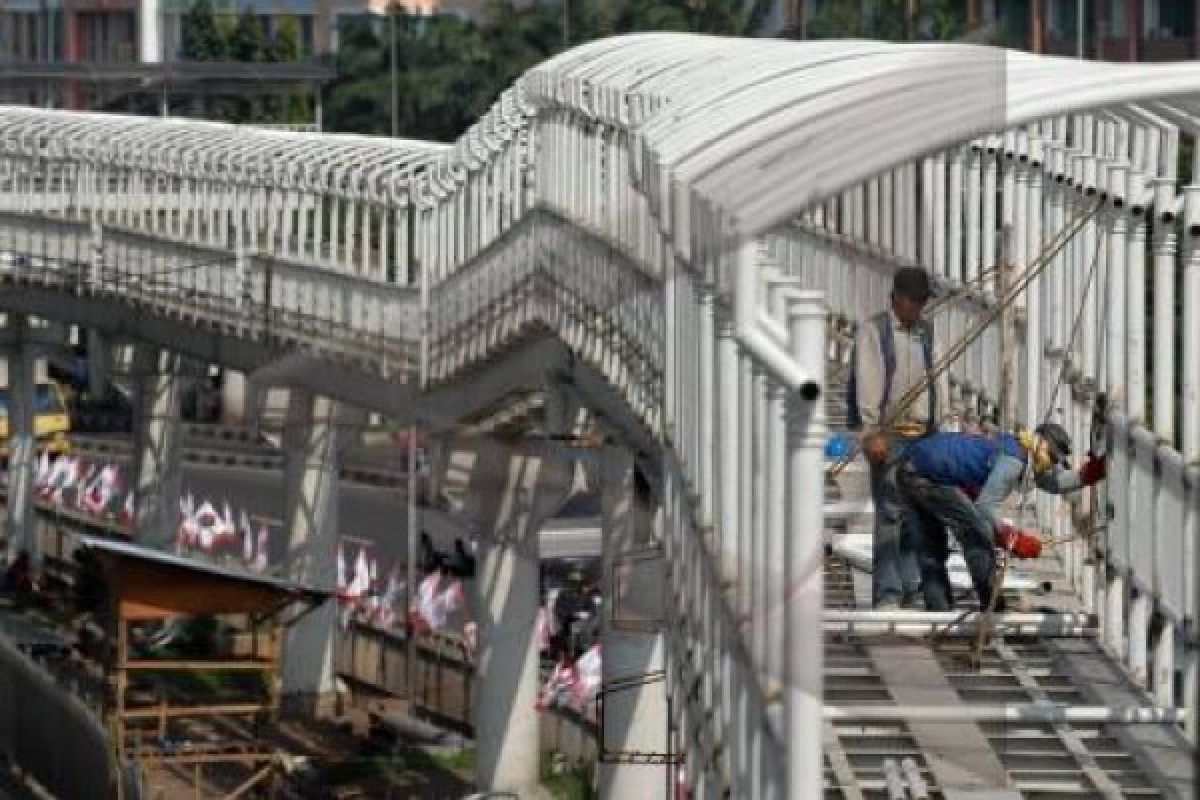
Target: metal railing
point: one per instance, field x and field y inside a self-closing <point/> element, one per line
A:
<point x="571" y="209"/>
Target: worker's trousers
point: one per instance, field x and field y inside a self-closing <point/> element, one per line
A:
<point x="934" y="508"/>
<point x="895" y="572"/>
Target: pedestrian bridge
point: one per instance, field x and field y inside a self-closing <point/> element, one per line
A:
<point x="676" y="232"/>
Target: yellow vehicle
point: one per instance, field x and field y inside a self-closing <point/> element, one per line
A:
<point x="52" y="423"/>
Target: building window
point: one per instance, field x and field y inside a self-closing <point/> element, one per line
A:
<point x="1167" y="20"/>
<point x="307" y="35"/>
<point x="1118" y="25"/>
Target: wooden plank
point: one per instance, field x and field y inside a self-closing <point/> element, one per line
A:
<point x="166" y="665"/>
<point x="958" y="754"/>
<point x="204" y="758"/>
<point x="251" y="782"/>
<point x="154" y="712"/>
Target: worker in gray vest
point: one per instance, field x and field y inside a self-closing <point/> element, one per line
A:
<point x="893" y="353"/>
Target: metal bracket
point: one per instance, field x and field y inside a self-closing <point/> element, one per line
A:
<point x="605" y="756"/>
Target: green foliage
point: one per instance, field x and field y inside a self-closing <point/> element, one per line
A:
<point x="202" y="41"/>
<point x="249" y="40"/>
<point x="199" y="636"/>
<point x="570" y="782"/>
<point x="286" y="44"/>
<point x="211" y="37"/>
<point x="450" y="70"/>
<point x="888" y="20"/>
<point x="359" y="98"/>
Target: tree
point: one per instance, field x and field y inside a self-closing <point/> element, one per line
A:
<point x="201" y="39"/>
<point x="887" y="20"/>
<point x="728" y="17"/>
<point x="450" y="70"/>
<point x="249" y="41"/>
<point x="357" y="100"/>
<point x="285" y="45"/>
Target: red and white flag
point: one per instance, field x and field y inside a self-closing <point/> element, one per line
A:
<point x="262" y="550"/>
<point x="247" y="538"/>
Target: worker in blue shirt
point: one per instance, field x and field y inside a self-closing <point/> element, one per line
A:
<point x="959" y="480"/>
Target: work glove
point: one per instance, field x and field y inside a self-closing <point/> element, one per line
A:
<point x="876" y="447"/>
<point x="1021" y="543"/>
<point x="1093" y="470"/>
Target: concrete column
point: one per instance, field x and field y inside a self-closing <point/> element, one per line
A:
<point x="506" y="726"/>
<point x="311" y="448"/>
<point x="635" y="704"/>
<point x="97" y="363"/>
<point x="512" y="491"/>
<point x="21" y="531"/>
<point x="233" y="397"/>
<point x="157" y="443"/>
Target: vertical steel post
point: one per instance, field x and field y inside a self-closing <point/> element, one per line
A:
<point x="1190" y="328"/>
<point x="803" y="582"/>
<point x="1164" y="245"/>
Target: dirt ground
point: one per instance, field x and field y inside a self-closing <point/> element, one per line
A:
<point x="340" y="758"/>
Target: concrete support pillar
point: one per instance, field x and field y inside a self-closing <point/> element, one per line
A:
<point x="157" y="443"/>
<point x="504" y="493"/>
<point x="631" y="636"/>
<point x="233" y="397"/>
<point x="506" y="726"/>
<point x="98" y="363"/>
<point x="311" y="448"/>
<point x="512" y="492"/>
<point x="21" y="531"/>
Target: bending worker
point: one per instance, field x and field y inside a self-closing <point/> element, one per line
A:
<point x="959" y="480"/>
<point x="893" y="353"/>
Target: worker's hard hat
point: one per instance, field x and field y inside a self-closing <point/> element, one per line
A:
<point x="1059" y="440"/>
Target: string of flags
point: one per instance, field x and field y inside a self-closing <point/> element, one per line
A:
<point x="360" y="594"/>
<point x="215" y="533"/>
<point x="574" y="684"/>
<point x="364" y="597"/>
<point x="101" y="491"/>
<point x="439" y="604"/>
<point x="68" y="482"/>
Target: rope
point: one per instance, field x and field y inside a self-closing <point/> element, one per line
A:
<point x="939" y="367"/>
<point x="999" y="571"/>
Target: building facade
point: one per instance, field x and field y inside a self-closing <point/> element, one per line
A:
<point x="1112" y="30"/>
<point x="149" y="31"/>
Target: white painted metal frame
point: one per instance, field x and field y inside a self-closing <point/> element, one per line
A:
<point x="681" y="211"/>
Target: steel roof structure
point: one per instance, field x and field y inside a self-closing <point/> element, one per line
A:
<point x="664" y="229"/>
<point x="347" y="164"/>
<point x="757" y="130"/>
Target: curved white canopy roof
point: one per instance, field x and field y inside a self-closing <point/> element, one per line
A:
<point x="759" y="129"/>
<point x="729" y="134"/>
<point x="214" y="150"/>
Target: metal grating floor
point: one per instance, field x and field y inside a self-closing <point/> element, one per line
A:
<point x="1039" y="761"/>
